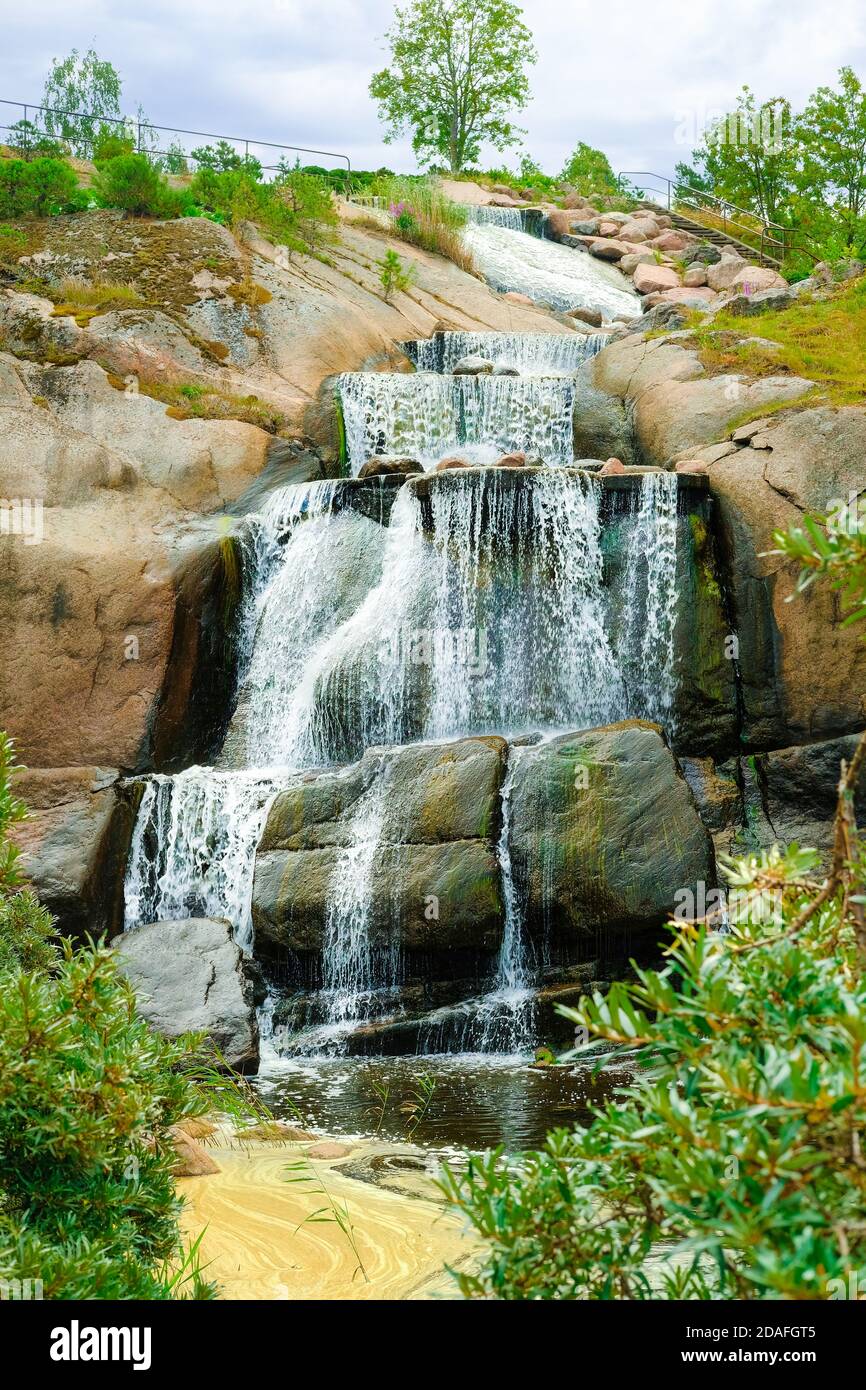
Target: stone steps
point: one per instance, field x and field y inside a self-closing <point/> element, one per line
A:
<point x="717" y="237"/>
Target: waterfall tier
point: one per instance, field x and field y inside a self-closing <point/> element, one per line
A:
<point x="532" y="354"/>
<point x="426" y="416"/>
<point x="549" y="273"/>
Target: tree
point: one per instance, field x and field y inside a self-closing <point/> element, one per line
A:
<point x="393" y="275"/>
<point x="88" y="87"/>
<point x="731" y="1166"/>
<point x="457" y="71"/>
<point x="748" y="156"/>
<point x="588" y="171"/>
<point x="832" y="135"/>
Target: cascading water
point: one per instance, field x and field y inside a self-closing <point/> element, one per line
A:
<point x="534" y="354"/>
<point x="483" y="607"/>
<point x="192" y="852"/>
<point x="649" y="640"/>
<point x="513" y="219"/>
<point x="507" y="1015"/>
<point x="354" y="968"/>
<point x="426" y="416"/>
<point x="510" y="259"/>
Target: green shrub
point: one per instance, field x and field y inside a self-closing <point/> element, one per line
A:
<point x="38" y="188"/>
<point x="111" y="144"/>
<point x="393" y="275"/>
<point x="731" y="1167"/>
<point x="295" y="209"/>
<point x="131" y="182"/>
<point x="12" y="812"/>
<point x="87" y="1098"/>
<point x="87" y="1095"/>
<point x="27" y="934"/>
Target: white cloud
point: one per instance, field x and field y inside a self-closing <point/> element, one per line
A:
<point x="618" y="75"/>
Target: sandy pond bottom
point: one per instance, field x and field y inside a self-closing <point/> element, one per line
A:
<point x="399" y="1118"/>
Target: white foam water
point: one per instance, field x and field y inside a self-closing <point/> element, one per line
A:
<point x="532" y="354"/>
<point x="427" y="416"/>
<point x="354" y="968"/>
<point x="510" y="259"/>
<point x="193" y="848"/>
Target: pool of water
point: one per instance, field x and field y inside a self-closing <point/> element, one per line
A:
<point x="464" y="1101"/>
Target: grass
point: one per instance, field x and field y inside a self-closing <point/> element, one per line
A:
<point x="823" y="341"/>
<point x="426" y="218"/>
<point x="191" y="401"/>
<point x="83" y="300"/>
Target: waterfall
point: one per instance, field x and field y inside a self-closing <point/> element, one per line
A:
<point x="535" y="354"/>
<point x="427" y="416"/>
<point x="193" y="848"/>
<point x="487" y="614"/>
<point x="547" y="272"/>
<point x="507" y="1014"/>
<point x="651" y="598"/>
<point x="513" y="219"/>
<point x="492" y="602"/>
<point x="520" y="570"/>
<point x="353" y="968"/>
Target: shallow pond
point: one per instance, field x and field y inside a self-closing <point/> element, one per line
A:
<point x="469" y="1100"/>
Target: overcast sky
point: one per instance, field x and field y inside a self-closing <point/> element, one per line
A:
<point x="631" y="78"/>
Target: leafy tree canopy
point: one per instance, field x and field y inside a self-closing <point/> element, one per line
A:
<point x="457" y="71"/>
<point x="589" y="171"/>
<point x="89" y="87"/>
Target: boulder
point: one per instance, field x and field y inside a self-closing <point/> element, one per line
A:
<point x="601" y="424"/>
<point x="649" y="278"/>
<point x="639" y="229"/>
<point x="473" y="365"/>
<point x="747" y="305"/>
<point x="800" y="790"/>
<point x="559" y="224"/>
<point x="704" y="254"/>
<point x="515" y="297"/>
<point x="192" y="1159"/>
<point x="190" y="976"/>
<point x="517" y="460"/>
<point x="445" y="465"/>
<point x="672" y="240"/>
<point x="113" y="600"/>
<point x="695" y="275"/>
<point x="74" y="844"/>
<point x="839" y="271"/>
<point x="611" y="466"/>
<point x="590" y="316"/>
<point x="609" y="250"/>
<point x="628" y="263"/>
<point x="753" y="278"/>
<point x="616" y="786"/>
<point x="583" y="227"/>
<point x="608" y="228"/>
<point x="690" y="295"/>
<point x="803" y="673"/>
<point x="677" y="415"/>
<point x="329" y="1149"/>
<point x="386" y="467"/>
<point x="722" y="274"/>
<point x="504" y="369"/>
<point x="437" y="846"/>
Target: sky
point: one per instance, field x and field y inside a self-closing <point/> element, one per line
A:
<point x="635" y="80"/>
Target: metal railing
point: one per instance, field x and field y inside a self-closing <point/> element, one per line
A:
<point x="770" y="240"/>
<point x="145" y="135"/>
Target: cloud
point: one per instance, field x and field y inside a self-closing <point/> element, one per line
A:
<point x="617" y="75"/>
